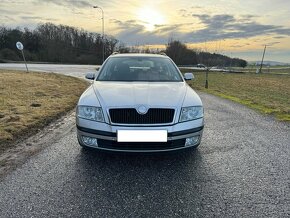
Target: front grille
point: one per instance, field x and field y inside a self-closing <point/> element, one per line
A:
<point x="180" y="143"/>
<point x="131" y="116"/>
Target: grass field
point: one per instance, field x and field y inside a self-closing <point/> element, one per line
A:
<point x="267" y="93"/>
<point x="29" y="101"/>
<point x="265" y="69"/>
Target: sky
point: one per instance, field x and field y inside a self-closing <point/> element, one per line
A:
<point x="234" y="28"/>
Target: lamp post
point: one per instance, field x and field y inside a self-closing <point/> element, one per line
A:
<point x="103" y="31"/>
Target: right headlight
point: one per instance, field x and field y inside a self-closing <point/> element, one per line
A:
<point x="190" y="113"/>
<point x="90" y="113"/>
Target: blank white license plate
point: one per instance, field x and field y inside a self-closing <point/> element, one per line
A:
<point x="142" y="135"/>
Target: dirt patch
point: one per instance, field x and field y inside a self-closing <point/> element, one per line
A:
<point x="35" y="105"/>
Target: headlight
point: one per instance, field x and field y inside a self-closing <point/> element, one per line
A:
<point x="191" y="113"/>
<point x="90" y="113"/>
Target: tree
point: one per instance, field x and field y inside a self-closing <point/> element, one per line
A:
<point x="243" y="63"/>
<point x="123" y="49"/>
<point x="175" y="50"/>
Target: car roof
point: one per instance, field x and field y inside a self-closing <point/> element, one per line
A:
<point x="138" y="55"/>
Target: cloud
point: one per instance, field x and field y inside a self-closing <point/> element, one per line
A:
<point x="279" y="37"/>
<point x="11" y="2"/>
<point x="225" y="26"/>
<point x="3" y="11"/>
<point x="134" y="32"/>
<point x="184" y="13"/>
<point x="68" y="3"/>
<point x="9" y="12"/>
<point x="215" y="27"/>
<point x="31" y="17"/>
<point x="272" y="43"/>
<point x="5" y="18"/>
<point x="38" y="18"/>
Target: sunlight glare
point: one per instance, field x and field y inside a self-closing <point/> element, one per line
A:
<point x="150" y="17"/>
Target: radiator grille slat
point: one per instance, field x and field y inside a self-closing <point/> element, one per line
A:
<point x="131" y="116"/>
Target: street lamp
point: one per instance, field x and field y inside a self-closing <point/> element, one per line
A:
<point x="103" y="35"/>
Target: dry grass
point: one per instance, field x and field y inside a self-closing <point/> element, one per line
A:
<point x="265" y="70"/>
<point x="269" y="94"/>
<point x="29" y="101"/>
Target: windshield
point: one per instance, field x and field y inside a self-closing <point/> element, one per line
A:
<point x="153" y="69"/>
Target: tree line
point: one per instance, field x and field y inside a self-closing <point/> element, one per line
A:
<point x="55" y="43"/>
<point x="64" y="44"/>
<point x="182" y="55"/>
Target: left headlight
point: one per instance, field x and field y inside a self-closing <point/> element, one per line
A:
<point x="90" y="113"/>
<point x="190" y="113"/>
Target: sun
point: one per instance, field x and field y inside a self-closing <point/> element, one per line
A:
<point x="150" y="18"/>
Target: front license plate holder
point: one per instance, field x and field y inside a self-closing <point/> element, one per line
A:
<point x="142" y="135"/>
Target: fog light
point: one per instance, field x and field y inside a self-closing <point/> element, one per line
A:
<point x="192" y="141"/>
<point x="89" y="141"/>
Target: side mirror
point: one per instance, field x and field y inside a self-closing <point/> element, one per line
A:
<point x="90" y="76"/>
<point x="188" y="76"/>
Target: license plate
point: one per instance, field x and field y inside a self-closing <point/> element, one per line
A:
<point x="142" y="135"/>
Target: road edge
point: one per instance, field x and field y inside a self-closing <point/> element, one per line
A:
<point x="33" y="145"/>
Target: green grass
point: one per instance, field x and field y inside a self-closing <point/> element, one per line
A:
<point x="29" y="101"/>
<point x="267" y="93"/>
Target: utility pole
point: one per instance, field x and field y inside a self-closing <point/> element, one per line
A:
<point x="207" y="68"/>
<point x="260" y="71"/>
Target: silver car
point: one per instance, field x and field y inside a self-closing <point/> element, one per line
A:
<point x="139" y="103"/>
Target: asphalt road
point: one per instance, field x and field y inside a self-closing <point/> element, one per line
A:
<point x="70" y="70"/>
<point x="241" y="169"/>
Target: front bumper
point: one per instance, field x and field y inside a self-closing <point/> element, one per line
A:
<point x="106" y="136"/>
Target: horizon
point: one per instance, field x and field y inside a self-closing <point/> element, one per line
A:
<point x="238" y="30"/>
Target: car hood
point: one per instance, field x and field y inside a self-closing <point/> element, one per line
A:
<point x="128" y="94"/>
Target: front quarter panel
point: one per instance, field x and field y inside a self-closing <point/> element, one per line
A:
<point x="89" y="98"/>
<point x="191" y="98"/>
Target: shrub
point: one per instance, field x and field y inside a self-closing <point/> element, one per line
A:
<point x="9" y="54"/>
